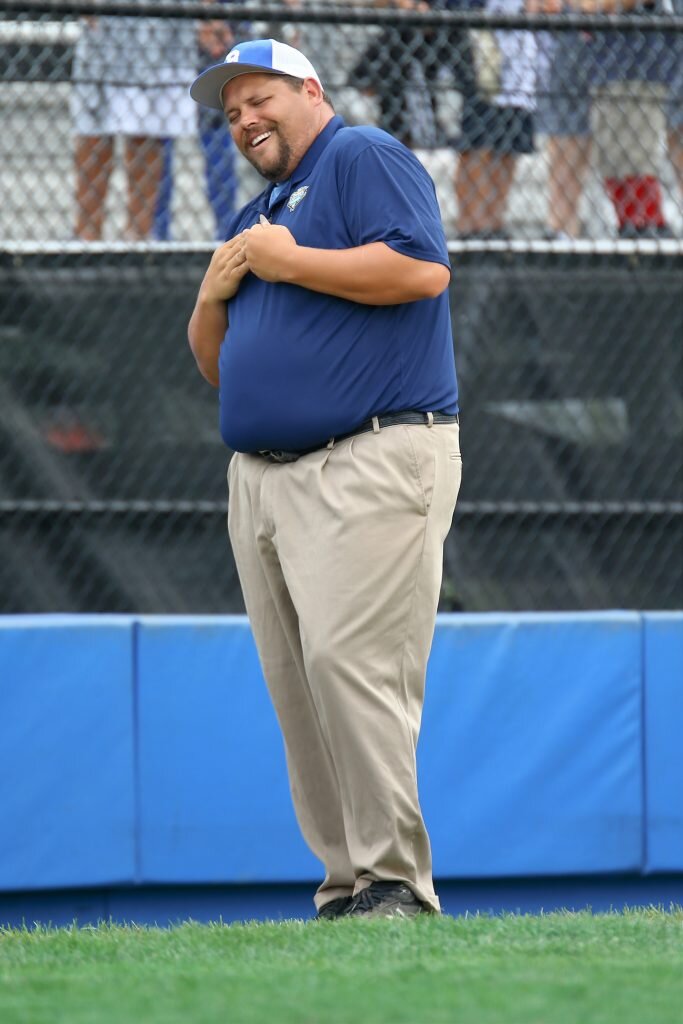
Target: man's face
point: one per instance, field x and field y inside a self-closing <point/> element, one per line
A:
<point x="271" y="123"/>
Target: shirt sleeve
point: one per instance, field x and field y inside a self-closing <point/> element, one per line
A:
<point x="387" y="196"/>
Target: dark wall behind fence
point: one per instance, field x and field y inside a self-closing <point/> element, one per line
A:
<point x="112" y="471"/>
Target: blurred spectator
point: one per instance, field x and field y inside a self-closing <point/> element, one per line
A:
<point x="626" y="78"/>
<point x="215" y="39"/>
<point x="402" y="67"/>
<point x="497" y="121"/>
<point x="336" y="46"/>
<point x="633" y="73"/>
<point x="565" y="115"/>
<point x="496" y="74"/>
<point x="130" y="79"/>
<point x="675" y="107"/>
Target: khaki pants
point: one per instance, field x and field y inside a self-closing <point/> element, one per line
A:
<point x="340" y="559"/>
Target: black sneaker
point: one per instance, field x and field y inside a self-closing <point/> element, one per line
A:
<point x="334" y="909"/>
<point x="386" y="899"/>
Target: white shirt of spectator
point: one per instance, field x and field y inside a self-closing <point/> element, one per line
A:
<point x="518" y="60"/>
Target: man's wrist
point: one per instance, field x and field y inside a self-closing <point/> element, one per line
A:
<point x="208" y="299"/>
<point x="294" y="269"/>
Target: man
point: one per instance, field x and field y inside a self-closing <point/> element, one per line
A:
<point x="324" y="321"/>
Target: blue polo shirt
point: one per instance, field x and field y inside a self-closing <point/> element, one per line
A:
<point x="298" y="367"/>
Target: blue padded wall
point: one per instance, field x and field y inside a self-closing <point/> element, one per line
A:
<point x="530" y="753"/>
<point x="663" y="691"/>
<point x="214" y="796"/>
<point x="66" y="752"/>
<point x="146" y="751"/>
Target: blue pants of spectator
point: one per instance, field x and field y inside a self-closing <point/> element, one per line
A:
<point x="221" y="178"/>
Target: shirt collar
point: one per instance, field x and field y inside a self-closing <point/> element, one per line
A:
<point x="277" y="190"/>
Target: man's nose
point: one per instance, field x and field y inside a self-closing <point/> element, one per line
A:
<point x="248" y="118"/>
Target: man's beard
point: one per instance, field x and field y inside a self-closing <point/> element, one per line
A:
<point x="278" y="171"/>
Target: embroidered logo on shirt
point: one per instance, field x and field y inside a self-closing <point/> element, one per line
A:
<point x="296" y="197"/>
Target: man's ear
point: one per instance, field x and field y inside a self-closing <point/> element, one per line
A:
<point x="313" y="89"/>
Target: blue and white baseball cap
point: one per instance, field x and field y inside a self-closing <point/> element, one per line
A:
<point x="262" y="56"/>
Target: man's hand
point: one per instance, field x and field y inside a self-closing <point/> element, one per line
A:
<point x="225" y="272"/>
<point x="269" y="250"/>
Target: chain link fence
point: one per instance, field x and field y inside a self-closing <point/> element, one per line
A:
<point x="555" y="140"/>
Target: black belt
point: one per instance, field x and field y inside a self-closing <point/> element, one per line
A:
<point x="390" y="420"/>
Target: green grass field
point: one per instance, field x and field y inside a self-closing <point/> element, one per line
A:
<point x="553" y="969"/>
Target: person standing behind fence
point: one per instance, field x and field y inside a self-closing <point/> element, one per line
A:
<point x="637" y="82"/>
<point x="565" y="116"/>
<point x="632" y="75"/>
<point x="129" y="78"/>
<point x="497" y="121"/>
<point x="325" y="323"/>
<point x="214" y="38"/>
<point x="402" y="67"/>
<point x="674" y="108"/>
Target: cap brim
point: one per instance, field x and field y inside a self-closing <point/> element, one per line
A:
<point x="207" y="88"/>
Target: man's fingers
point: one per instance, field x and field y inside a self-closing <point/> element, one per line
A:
<point x="227" y="247"/>
<point x="236" y="263"/>
<point x="232" y="260"/>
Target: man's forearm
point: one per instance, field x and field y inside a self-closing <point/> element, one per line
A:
<point x="373" y="274"/>
<point x="206" y="331"/>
